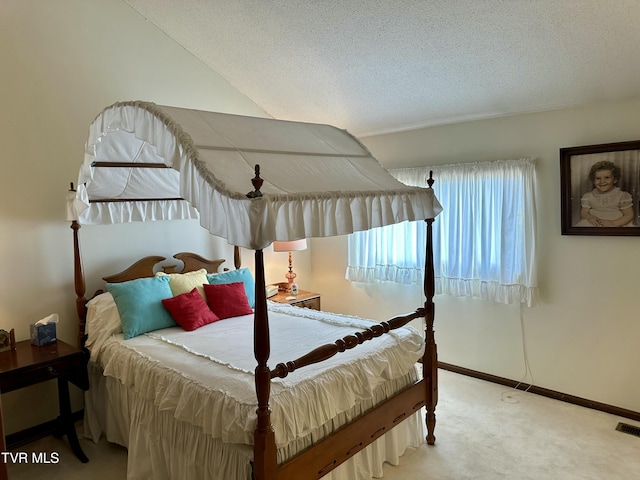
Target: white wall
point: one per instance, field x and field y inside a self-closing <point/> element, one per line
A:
<point x="583" y="339"/>
<point x="63" y="61"/>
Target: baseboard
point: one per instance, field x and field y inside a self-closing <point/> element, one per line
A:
<point x="545" y="392"/>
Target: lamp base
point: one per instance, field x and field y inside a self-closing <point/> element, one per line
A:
<point x="290" y="276"/>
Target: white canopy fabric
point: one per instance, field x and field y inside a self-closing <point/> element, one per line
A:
<point x="318" y="180"/>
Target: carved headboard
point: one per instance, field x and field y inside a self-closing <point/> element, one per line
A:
<point x="145" y="267"/>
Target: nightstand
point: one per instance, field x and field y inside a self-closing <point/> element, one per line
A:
<point x="28" y="365"/>
<point x="304" y="299"/>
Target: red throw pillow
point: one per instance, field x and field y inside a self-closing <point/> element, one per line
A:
<point x="189" y="310"/>
<point x="227" y="299"/>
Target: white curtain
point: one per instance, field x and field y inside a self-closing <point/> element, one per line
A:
<point x="484" y="241"/>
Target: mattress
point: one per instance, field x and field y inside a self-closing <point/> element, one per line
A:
<point x="198" y="386"/>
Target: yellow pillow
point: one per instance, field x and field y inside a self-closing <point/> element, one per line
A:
<point x="185" y="282"/>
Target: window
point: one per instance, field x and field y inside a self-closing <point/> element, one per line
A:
<point x="484" y="240"/>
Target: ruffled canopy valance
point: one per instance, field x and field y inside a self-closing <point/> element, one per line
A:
<point x="148" y="162"/>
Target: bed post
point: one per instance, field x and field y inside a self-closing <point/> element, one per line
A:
<point x="79" y="284"/>
<point x="430" y="359"/>
<point x="264" y="443"/>
<point x="237" y="259"/>
<point x="265" y="461"/>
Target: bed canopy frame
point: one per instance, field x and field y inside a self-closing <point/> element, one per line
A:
<point x="148" y="162"/>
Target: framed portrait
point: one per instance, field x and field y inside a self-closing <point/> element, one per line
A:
<point x="600" y="189"/>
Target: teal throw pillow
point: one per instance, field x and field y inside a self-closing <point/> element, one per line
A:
<point x="140" y="306"/>
<point x="240" y="275"/>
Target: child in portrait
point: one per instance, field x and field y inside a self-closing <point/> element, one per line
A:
<point x="606" y="205"/>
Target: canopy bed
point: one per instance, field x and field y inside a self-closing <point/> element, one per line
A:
<point x="149" y="162"/>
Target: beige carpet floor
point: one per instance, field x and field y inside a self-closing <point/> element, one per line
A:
<point x="484" y="431"/>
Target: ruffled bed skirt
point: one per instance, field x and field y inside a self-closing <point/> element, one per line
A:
<point x="161" y="447"/>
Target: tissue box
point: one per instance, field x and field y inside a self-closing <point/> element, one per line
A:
<point x="42" y="334"/>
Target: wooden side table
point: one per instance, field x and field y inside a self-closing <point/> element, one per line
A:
<point x="304" y="299"/>
<point x="28" y="365"/>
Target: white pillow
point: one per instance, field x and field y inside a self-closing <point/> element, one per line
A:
<point x="103" y="321"/>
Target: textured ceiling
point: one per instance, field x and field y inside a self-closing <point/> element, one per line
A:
<point x="375" y="66"/>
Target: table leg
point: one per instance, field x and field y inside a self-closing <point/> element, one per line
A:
<point x="4" y="475"/>
<point x="66" y="419"/>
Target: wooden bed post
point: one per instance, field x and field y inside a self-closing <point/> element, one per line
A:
<point x="78" y="280"/>
<point x="237" y="259"/>
<point x="430" y="359"/>
<point x="265" y="461"/>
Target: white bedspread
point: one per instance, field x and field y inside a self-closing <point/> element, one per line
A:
<point x="206" y="377"/>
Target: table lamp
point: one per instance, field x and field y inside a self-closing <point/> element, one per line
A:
<point x="292" y="246"/>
